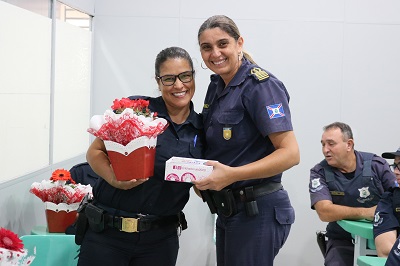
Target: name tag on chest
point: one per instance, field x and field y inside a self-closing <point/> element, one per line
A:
<point x="337" y="193"/>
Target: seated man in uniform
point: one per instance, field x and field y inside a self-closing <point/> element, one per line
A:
<point x="386" y="223"/>
<point x="347" y="184"/>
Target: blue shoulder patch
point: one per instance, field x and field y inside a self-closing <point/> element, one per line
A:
<point x="275" y="110"/>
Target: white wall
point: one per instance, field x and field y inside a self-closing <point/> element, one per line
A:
<point x="32" y="148"/>
<point x="338" y="59"/>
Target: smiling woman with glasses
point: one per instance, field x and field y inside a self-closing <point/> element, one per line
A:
<point x="152" y="208"/>
<point x="184" y="77"/>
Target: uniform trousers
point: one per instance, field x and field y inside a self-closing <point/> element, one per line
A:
<point x="254" y="240"/>
<point x="339" y="252"/>
<point x="157" y="247"/>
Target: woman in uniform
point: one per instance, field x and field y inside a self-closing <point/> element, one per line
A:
<point x="249" y="134"/>
<point x="155" y="204"/>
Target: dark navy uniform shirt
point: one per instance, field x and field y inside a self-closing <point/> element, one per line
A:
<point x="394" y="255"/>
<point x="239" y="117"/>
<point x="358" y="191"/>
<point x="157" y="196"/>
<point x="385" y="219"/>
<point x="82" y="173"/>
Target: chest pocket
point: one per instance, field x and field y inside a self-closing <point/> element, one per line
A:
<point x="231" y="117"/>
<point x="230" y="122"/>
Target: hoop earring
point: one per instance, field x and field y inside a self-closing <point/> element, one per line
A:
<point x="240" y="54"/>
<point x="201" y="64"/>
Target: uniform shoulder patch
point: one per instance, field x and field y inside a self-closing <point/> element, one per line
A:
<point x="259" y="74"/>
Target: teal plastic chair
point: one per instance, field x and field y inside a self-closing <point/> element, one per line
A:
<point x="362" y="232"/>
<point x="370" y="261"/>
<point x="52" y="250"/>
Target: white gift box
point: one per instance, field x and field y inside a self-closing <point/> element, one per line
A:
<point x="181" y="169"/>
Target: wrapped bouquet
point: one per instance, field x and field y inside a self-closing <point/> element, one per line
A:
<point x="62" y="197"/>
<point x="12" y="250"/>
<point x="129" y="132"/>
<point x="61" y="188"/>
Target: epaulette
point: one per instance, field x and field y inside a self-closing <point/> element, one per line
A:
<point x="259" y="74"/>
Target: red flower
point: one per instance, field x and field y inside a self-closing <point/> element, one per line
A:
<point x="9" y="240"/>
<point x="140" y="106"/>
<point x="116" y="105"/>
<point x="61" y="175"/>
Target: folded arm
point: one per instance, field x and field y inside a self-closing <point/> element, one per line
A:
<point x="329" y="212"/>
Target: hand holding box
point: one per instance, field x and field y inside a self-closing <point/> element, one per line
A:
<point x="181" y="169"/>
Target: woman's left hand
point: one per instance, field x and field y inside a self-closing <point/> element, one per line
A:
<point x="218" y="179"/>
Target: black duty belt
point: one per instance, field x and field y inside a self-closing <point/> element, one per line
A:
<point x="141" y="223"/>
<point x="133" y="222"/>
<point x="257" y="190"/>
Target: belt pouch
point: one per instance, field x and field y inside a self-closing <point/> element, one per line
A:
<point x="321" y="240"/>
<point x="251" y="203"/>
<point x="225" y="202"/>
<point x="182" y="220"/>
<point x="81" y="228"/>
<point x="81" y="223"/>
<point x="96" y="218"/>
<point x="206" y="195"/>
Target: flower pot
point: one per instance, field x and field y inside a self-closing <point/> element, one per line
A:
<point x="60" y="216"/>
<point x="133" y="161"/>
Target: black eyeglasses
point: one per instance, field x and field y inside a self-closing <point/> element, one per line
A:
<point x="169" y="80"/>
<point x="394" y="166"/>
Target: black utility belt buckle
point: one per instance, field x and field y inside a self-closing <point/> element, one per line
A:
<point x="129" y="225"/>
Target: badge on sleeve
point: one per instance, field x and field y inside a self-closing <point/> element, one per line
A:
<point x="377" y="219"/>
<point x="315" y="185"/>
<point x="227" y="133"/>
<point x="275" y="111"/>
<point x="396" y="250"/>
<point x="259" y="74"/>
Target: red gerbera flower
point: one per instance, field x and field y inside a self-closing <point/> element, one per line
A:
<point x="62" y="175"/>
<point x="9" y="240"/>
